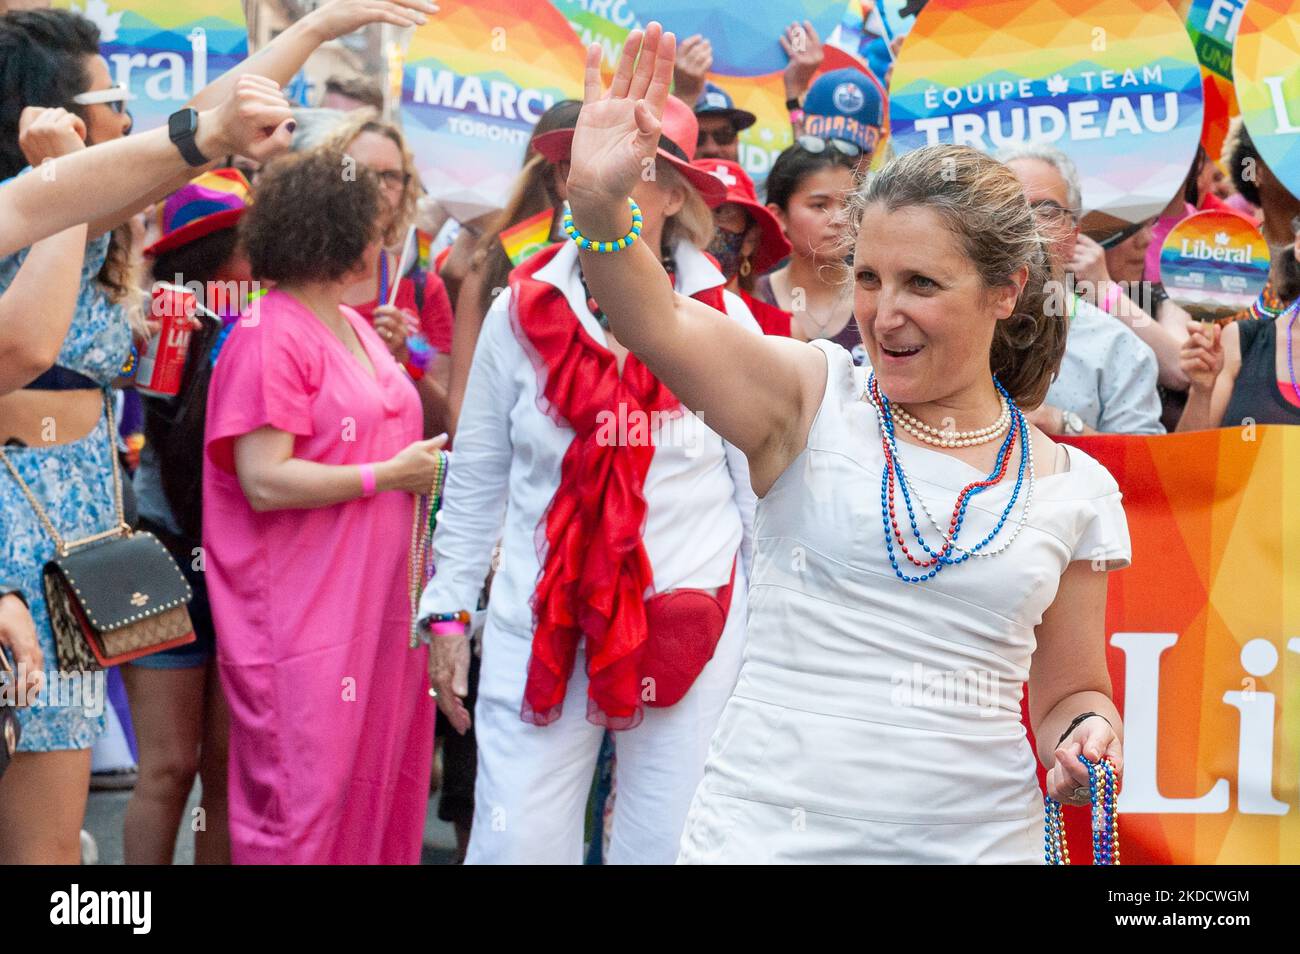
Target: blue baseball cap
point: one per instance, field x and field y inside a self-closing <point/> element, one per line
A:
<point x="845" y="104"/>
<point x="716" y="101"/>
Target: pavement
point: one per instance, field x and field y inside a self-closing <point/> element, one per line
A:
<point x="106" y="809"/>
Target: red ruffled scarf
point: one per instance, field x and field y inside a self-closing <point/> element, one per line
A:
<point x="595" y="573"/>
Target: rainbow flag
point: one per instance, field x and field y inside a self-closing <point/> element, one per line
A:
<point x="531" y="235"/>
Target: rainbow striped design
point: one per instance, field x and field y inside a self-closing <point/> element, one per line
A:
<point x="1107" y="81"/>
<point x="165" y="51"/>
<point x="1266" y="67"/>
<point x="1212" y="25"/>
<point x="531" y="235"/>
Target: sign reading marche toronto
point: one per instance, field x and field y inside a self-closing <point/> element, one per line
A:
<point x="1105" y="81"/>
<point x="477" y="78"/>
<point x="1214" y="264"/>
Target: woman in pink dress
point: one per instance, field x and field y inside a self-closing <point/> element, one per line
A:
<point x="313" y="453"/>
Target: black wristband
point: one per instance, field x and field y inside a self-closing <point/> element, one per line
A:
<point x="1079" y="718"/>
<point x="792" y="104"/>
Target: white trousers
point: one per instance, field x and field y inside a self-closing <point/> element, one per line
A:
<point x="530" y="794"/>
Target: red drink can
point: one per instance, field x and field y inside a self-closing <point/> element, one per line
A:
<point x="163" y="363"/>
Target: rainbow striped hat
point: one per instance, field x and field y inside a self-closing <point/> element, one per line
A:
<point x="214" y="201"/>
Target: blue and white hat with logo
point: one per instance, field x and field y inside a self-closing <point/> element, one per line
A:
<point x="716" y="101"/>
<point x="845" y="104"/>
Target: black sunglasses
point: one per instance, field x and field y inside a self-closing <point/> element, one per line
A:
<point x="723" y="137"/>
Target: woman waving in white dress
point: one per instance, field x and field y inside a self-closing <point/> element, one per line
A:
<point x="920" y="551"/>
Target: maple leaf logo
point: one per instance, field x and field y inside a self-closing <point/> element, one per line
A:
<point x="1058" y="84"/>
<point x="1221" y="238"/>
<point x="97" y="12"/>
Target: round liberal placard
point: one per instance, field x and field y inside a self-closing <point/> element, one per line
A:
<point x="1266" y="69"/>
<point x="1214" y="264"/>
<point x="1114" y="84"/>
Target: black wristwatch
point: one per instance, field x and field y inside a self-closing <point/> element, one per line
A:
<point x="792" y="104"/>
<point x="182" y="126"/>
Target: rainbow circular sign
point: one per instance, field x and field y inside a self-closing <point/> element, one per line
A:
<point x="1266" y="69"/>
<point x="1214" y="264"/>
<point x="1114" y="84"/>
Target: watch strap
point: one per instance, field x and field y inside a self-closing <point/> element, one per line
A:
<point x="189" y="150"/>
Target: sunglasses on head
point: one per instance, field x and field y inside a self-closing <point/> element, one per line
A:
<point x="115" y="98"/>
<point x="723" y="137"/>
<point x="817" y="145"/>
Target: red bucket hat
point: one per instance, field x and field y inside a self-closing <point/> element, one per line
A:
<point x="677" y="140"/>
<point x="772" y="243"/>
<point x="214" y="201"/>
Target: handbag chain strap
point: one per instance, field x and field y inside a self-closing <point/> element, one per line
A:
<point x="66" y="546"/>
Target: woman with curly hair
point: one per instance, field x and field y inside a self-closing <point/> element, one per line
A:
<point x="313" y="450"/>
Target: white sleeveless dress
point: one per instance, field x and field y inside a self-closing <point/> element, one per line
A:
<point x="875" y="720"/>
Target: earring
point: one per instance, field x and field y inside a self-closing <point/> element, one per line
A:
<point x="745" y="267"/>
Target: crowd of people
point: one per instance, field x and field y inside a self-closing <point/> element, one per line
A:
<point x="650" y="449"/>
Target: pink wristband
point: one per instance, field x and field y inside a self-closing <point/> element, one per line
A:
<point x="1113" y="294"/>
<point x="367" y="480"/>
<point x="449" y="628"/>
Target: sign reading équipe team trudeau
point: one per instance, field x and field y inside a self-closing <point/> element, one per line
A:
<point x="1115" y="84"/>
<point x="1214" y="264"/>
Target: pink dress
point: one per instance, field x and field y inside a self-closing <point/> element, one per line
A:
<point x="331" y="732"/>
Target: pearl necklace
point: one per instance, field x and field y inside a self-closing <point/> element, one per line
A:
<point x="949" y="438"/>
<point x="1028" y="444"/>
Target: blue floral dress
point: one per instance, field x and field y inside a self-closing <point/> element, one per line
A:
<point x="74" y="483"/>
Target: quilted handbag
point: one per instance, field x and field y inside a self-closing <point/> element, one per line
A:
<point x="113" y="596"/>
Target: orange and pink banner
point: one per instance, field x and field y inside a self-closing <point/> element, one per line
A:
<point x="1203" y="641"/>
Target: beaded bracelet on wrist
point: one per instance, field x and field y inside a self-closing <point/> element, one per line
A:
<point x="593" y="245"/>
<point x="460" y="616"/>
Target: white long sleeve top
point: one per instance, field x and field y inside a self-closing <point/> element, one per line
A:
<point x="505" y="470"/>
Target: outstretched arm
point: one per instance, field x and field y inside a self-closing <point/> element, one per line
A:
<point x="758" y="392"/>
<point x="101" y="181"/>
<point x="278" y="61"/>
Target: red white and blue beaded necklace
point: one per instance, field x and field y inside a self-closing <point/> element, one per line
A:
<point x="894" y="475"/>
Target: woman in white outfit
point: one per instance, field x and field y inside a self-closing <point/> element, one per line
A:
<point x="876" y="717"/>
<point x="619" y="599"/>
